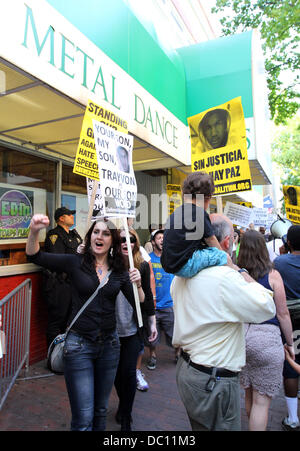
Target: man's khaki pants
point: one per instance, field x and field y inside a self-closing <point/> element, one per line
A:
<point x="217" y="410"/>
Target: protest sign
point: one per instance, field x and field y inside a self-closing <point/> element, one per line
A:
<point x="271" y="219"/>
<point x="260" y="217"/>
<point x="92" y="160"/>
<point x="245" y="204"/>
<point x="118" y="193"/>
<point x="94" y="192"/>
<point x="239" y="215"/>
<point x="292" y="202"/>
<point x="86" y="161"/>
<point x="174" y="197"/>
<point x="117" y="180"/>
<point x="219" y="146"/>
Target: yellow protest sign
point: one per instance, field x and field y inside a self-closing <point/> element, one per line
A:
<point x="292" y="202"/>
<point x="219" y="147"/>
<point x="86" y="159"/>
<point x="174" y="197"/>
<point x="245" y="204"/>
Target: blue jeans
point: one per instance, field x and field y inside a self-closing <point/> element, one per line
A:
<point x="89" y="370"/>
<point x="210" y="256"/>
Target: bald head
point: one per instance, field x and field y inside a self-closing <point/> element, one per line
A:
<point x="223" y="230"/>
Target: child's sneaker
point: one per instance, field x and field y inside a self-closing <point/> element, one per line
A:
<point x="151" y="364"/>
<point x="141" y="384"/>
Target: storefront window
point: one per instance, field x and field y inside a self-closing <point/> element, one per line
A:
<point x="72" y="182"/>
<point x="27" y="185"/>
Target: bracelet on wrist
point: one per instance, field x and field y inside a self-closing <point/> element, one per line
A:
<point x="139" y="286"/>
<point x="290" y="345"/>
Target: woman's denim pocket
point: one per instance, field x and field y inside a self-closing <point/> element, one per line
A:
<point x="113" y="341"/>
<point x="73" y="344"/>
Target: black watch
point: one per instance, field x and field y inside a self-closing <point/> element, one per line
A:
<point x="243" y="270"/>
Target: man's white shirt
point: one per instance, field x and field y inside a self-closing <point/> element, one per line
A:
<point x="210" y="311"/>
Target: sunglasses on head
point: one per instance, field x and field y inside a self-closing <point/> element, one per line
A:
<point x="132" y="239"/>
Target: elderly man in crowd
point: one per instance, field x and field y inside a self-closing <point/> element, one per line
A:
<point x="210" y="309"/>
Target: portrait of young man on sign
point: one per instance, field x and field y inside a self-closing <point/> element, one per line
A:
<point x="123" y="159"/>
<point x="213" y="129"/>
<point x="219" y="146"/>
<point x="292" y="202"/>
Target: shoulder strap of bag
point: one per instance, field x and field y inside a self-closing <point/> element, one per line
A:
<point x="88" y="301"/>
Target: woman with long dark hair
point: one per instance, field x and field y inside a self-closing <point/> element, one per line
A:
<point x="262" y="375"/>
<point x="131" y="338"/>
<point x="92" y="348"/>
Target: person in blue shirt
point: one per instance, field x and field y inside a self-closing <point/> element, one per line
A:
<point x="164" y="303"/>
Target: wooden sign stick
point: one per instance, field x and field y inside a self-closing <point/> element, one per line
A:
<point x="131" y="266"/>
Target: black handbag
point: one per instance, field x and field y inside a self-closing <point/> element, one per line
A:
<point x="56" y="349"/>
<point x="294" y="309"/>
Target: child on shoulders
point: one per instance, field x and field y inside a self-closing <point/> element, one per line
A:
<point x="189" y="242"/>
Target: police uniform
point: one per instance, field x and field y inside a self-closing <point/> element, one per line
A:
<point x="56" y="286"/>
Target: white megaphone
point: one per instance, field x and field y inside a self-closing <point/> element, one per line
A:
<point x="280" y="227"/>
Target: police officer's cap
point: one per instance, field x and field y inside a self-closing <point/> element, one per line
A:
<point x="63" y="211"/>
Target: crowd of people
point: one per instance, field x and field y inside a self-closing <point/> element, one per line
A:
<point x="216" y="292"/>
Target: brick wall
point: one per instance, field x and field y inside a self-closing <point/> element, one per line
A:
<point x="38" y="323"/>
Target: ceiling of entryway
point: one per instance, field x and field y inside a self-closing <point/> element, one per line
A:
<point x="38" y="117"/>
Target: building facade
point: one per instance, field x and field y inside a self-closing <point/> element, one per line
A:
<point x="54" y="57"/>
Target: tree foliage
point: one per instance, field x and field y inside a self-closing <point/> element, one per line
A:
<point x="279" y="24"/>
<point x="286" y="152"/>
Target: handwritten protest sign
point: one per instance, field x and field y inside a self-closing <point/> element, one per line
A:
<point x="260" y="217"/>
<point x="219" y="146"/>
<point x="243" y="216"/>
<point x="94" y="195"/>
<point x="238" y="214"/>
<point x="117" y="182"/>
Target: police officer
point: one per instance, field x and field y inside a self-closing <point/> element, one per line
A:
<point x="56" y="286"/>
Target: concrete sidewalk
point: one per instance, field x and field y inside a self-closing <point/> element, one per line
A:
<point x="41" y="403"/>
